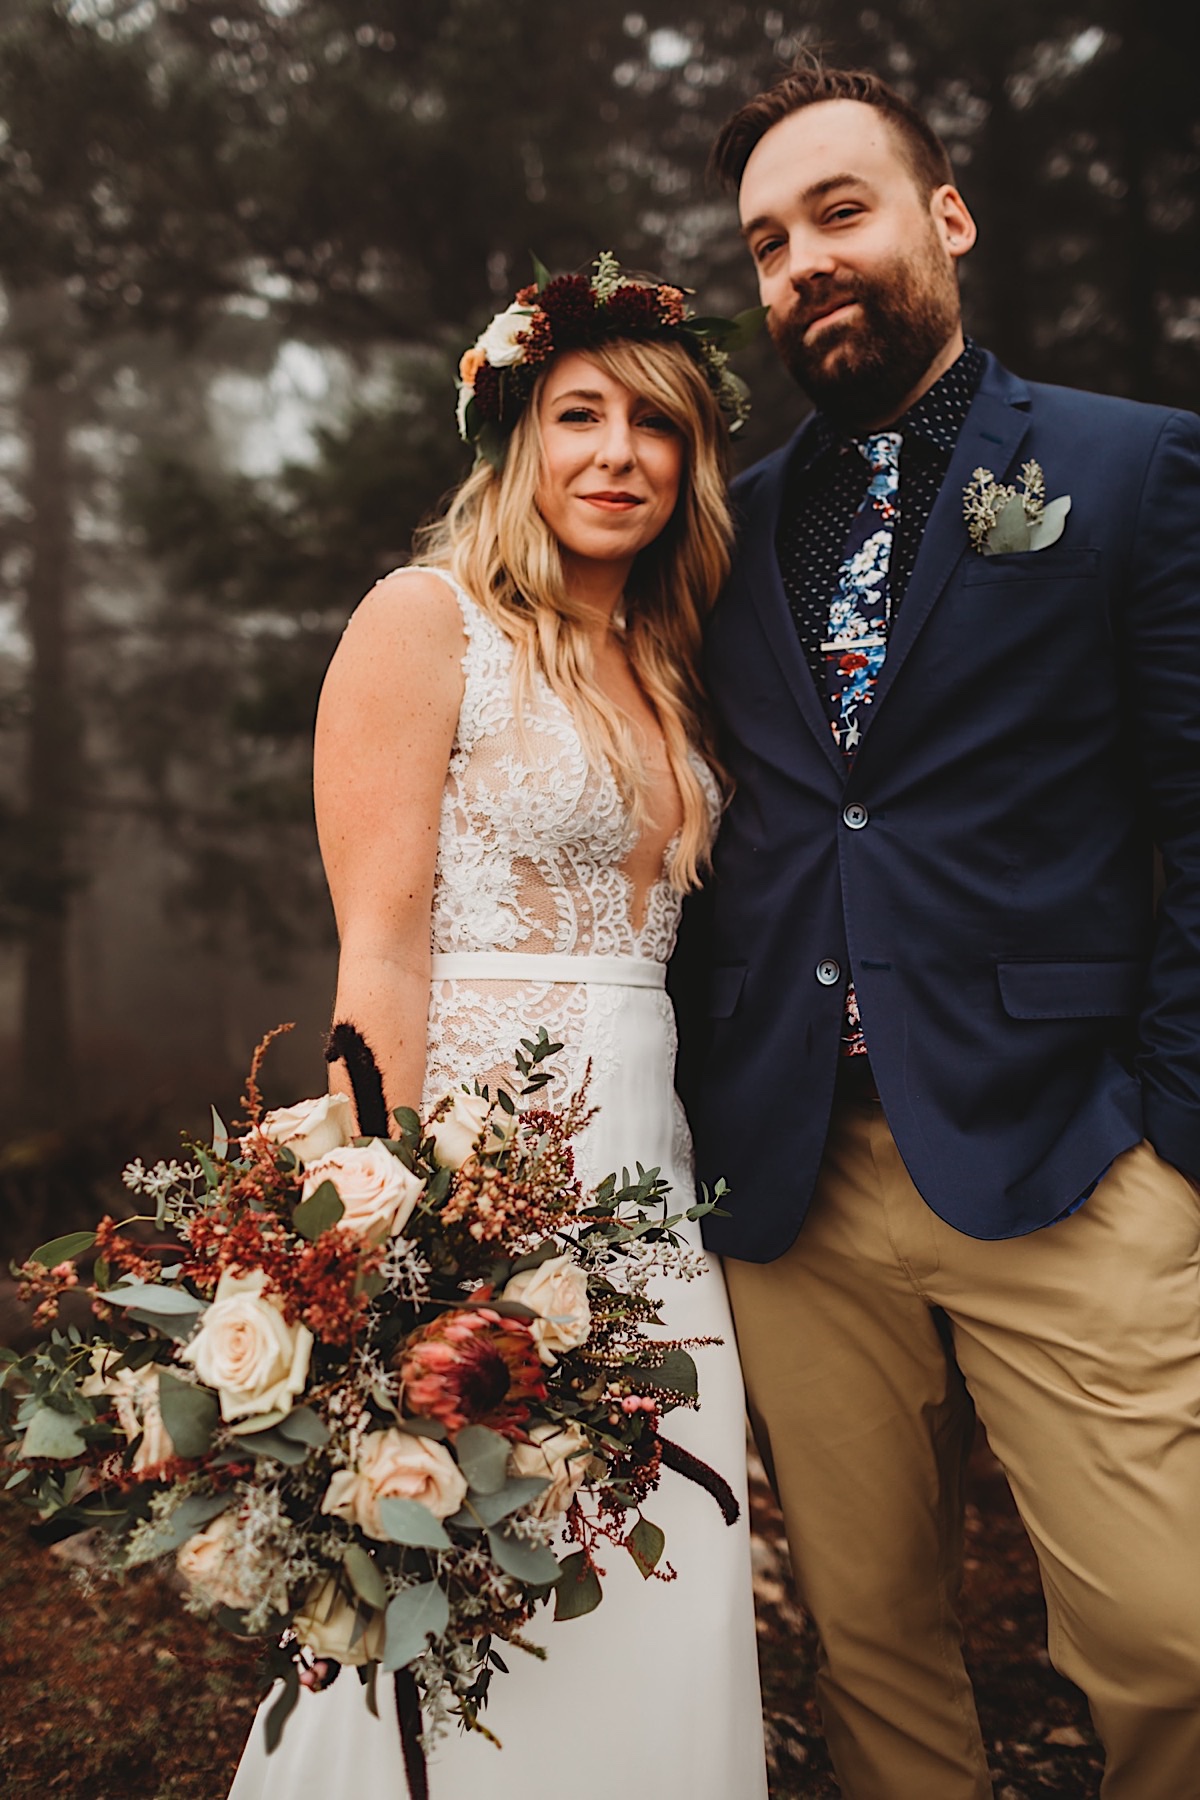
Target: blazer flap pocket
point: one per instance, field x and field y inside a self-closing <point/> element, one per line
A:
<point x="1053" y="564"/>
<point x="1070" y="990"/>
<point x="725" y="989"/>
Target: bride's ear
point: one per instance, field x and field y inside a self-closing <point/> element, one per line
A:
<point x="346" y="1044"/>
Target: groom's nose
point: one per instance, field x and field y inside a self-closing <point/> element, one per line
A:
<point x="810" y="257"/>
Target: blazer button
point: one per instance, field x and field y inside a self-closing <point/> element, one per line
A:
<point x="829" y="972"/>
<point x="855" y="816"/>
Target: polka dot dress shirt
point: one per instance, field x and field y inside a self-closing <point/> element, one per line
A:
<point x="825" y="488"/>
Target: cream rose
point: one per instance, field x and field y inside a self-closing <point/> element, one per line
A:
<point x="310" y="1129"/>
<point x="501" y="343"/>
<point x="456" y="1133"/>
<point x="395" y="1465"/>
<point x="559" y="1455"/>
<point x="134" y="1394"/>
<point x="326" y="1625"/>
<point x="557" y="1292"/>
<point x="247" y="1351"/>
<point x="374" y="1186"/>
<point x="206" y="1563"/>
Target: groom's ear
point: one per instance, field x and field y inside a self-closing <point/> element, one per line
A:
<point x="952" y="221"/>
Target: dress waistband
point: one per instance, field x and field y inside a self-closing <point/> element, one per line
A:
<point x="516" y="965"/>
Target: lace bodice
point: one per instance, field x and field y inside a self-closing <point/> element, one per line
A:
<point x="532" y="848"/>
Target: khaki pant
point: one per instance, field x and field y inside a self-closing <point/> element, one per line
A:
<point x="1080" y="1347"/>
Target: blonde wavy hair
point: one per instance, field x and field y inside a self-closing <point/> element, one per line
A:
<point x="494" y="541"/>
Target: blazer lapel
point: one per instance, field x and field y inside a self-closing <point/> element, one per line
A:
<point x="991" y="436"/>
<point x="760" y="573"/>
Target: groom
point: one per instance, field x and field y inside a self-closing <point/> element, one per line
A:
<point x="952" y="1069"/>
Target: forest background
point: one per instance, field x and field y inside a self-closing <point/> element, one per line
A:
<point x="242" y="244"/>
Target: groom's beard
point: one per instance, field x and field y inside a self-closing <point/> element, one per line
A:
<point x="860" y="370"/>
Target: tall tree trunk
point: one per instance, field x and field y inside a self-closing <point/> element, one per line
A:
<point x="1003" y="177"/>
<point x="47" y="1037"/>
<point x="1141" y="317"/>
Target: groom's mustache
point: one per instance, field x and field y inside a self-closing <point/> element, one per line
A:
<point x="815" y="299"/>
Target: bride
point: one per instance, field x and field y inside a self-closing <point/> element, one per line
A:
<point x="514" y="791"/>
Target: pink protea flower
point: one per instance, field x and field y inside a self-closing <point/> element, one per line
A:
<point x="472" y="1367"/>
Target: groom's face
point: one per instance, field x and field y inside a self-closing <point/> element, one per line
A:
<point x="855" y="260"/>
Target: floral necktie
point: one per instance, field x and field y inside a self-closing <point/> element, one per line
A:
<point x="860" y="611"/>
<point x="860" y="614"/>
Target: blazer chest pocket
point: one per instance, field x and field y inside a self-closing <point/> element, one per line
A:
<point x="1070" y="990"/>
<point x="1024" y="566"/>
<point x="725" y="990"/>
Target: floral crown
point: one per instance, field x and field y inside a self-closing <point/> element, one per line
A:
<point x="576" y="312"/>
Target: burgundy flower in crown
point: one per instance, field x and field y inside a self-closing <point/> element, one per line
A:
<point x="576" y="312"/>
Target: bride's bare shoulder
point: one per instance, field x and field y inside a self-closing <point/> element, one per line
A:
<point x="400" y="657"/>
<point x="412" y="610"/>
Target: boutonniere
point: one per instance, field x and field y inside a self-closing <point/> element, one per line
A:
<point x="1000" y="520"/>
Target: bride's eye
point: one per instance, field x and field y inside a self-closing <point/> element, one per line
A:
<point x="658" y="422"/>
<point x="576" y="415"/>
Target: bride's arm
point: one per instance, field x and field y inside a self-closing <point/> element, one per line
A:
<point x="385" y="730"/>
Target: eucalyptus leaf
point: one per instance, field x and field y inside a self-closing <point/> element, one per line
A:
<point x="413" y="1616"/>
<point x="676" y="1374"/>
<point x="192" y="1514"/>
<point x="407" y="1120"/>
<point x="63" y="1249"/>
<point x="150" y="1297"/>
<point x="220" y="1143"/>
<point x="1011" y="531"/>
<point x="541" y="274"/>
<point x="189" y="1413"/>
<point x="52" y="1434"/>
<point x="305" y="1427"/>
<point x="528" y="1562"/>
<point x="275" y="1445"/>
<point x="408" y="1522"/>
<point x="1052" y="523"/>
<point x="577" y="1590"/>
<point x="321" y="1210"/>
<point x="364" y="1576"/>
<point x="482" y="1457"/>
<point x="645" y="1545"/>
<point x="489" y="1509"/>
<point x="258" y="1422"/>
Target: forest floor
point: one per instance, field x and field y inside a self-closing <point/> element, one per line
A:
<point x="117" y="1694"/>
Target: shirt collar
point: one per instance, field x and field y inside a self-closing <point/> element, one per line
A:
<point x="937" y="417"/>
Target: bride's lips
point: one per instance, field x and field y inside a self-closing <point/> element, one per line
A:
<point x="615" y="500"/>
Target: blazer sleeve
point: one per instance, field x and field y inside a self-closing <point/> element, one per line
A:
<point x="1164" y="624"/>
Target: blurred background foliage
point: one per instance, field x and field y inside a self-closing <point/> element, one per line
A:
<point x="242" y="243"/>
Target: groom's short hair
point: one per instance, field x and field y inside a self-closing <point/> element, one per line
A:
<point x="809" y="82"/>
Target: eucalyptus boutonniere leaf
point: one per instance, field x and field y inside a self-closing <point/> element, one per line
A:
<point x="1002" y="520"/>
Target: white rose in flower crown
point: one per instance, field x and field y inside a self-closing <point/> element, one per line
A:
<point x="395" y="1465"/>
<point x="310" y="1129"/>
<point x="559" y="1454"/>
<point x="500" y="343"/>
<point x="557" y="1290"/>
<point x="246" y="1349"/>
<point x="374" y="1186"/>
<point x="455" y="1134"/>
<point x="326" y="1625"/>
<point x="206" y="1564"/>
<point x="134" y="1394"/>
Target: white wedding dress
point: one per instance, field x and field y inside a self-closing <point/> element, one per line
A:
<point x="656" y="1693"/>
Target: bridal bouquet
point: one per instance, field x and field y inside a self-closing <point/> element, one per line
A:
<point x="373" y="1388"/>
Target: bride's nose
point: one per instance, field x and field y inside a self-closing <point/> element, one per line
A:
<point x="616" y="447"/>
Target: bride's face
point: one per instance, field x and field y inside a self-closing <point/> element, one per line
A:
<point x="612" y="462"/>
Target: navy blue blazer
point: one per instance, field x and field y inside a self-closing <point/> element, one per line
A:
<point x="985" y="872"/>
